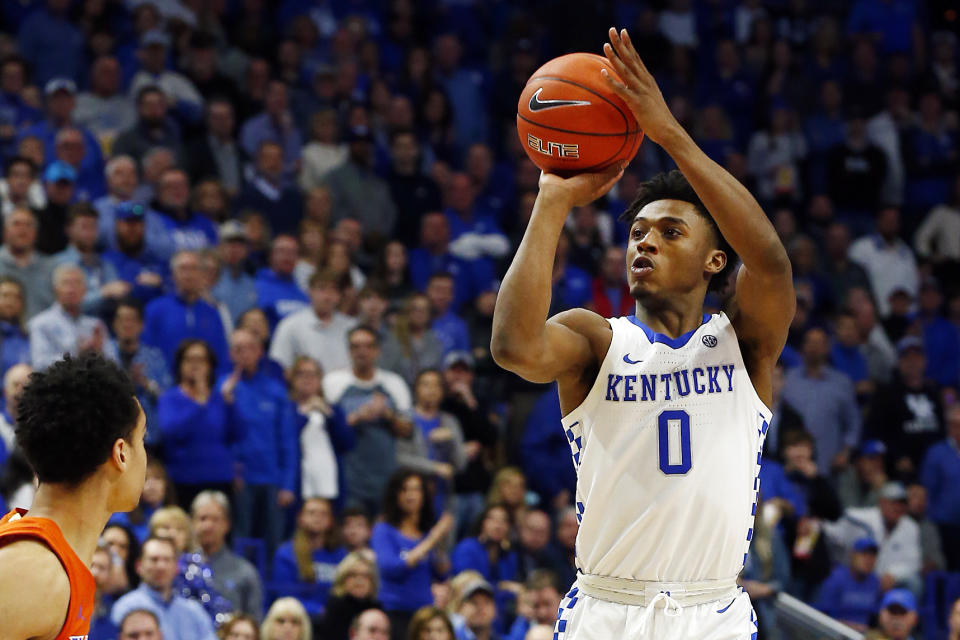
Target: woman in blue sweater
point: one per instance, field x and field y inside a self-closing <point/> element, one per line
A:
<point x="306" y="565"/>
<point x="404" y="544"/>
<point x="198" y="425"/>
<point x="489" y="553"/>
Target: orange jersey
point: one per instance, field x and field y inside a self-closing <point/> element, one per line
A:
<point x="14" y="527"/>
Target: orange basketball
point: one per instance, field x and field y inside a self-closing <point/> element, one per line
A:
<point x="570" y="121"/>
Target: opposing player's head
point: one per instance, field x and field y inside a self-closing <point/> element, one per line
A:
<point x="674" y="246"/>
<point x="79" y="419"/>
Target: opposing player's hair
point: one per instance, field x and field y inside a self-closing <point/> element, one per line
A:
<point x="673" y="185"/>
<point x="71" y="414"/>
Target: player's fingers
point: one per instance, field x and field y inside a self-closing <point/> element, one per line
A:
<point x="616" y="62"/>
<point x="632" y="56"/>
<point x="618" y="87"/>
<point x="618" y="44"/>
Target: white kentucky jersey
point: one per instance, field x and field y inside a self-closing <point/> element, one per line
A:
<point x="667" y="449"/>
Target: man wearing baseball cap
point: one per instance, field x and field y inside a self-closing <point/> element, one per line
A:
<point x="476" y="611"/>
<point x="860" y="483"/>
<point x="132" y="258"/>
<point x="897" y="617"/>
<point x="60" y="94"/>
<point x="59" y="182"/>
<point x="899" y="557"/>
<point x="851" y="591"/>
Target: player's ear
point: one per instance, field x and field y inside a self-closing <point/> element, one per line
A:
<point x="120" y="454"/>
<point x="716" y="261"/>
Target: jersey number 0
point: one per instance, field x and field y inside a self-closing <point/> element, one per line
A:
<point x="673" y="432"/>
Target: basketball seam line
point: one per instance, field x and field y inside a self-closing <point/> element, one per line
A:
<point x="579" y="133"/>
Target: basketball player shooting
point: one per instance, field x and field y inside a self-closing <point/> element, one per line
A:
<point x="81" y="428"/>
<point x="666" y="410"/>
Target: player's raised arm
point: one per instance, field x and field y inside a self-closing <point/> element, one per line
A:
<point x="764" y="303"/>
<point x="524" y="341"/>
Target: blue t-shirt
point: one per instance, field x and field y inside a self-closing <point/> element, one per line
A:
<point x="325" y="561"/>
<point x="402" y="588"/>
<point x="844" y="597"/>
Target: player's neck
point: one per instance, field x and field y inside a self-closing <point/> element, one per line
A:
<point x="80" y="514"/>
<point x="673" y="318"/>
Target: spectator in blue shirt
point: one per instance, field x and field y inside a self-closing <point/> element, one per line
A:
<point x="941" y="338"/>
<point x="852" y="592"/>
<point x="71" y="146"/>
<point x="434" y="256"/>
<point x="892" y="23"/>
<point x="180" y="619"/>
<point x="61" y="101"/>
<point x="572" y="286"/>
<point x="268" y="454"/>
<point x="123" y="187"/>
<point x="929" y="150"/>
<point x="188" y="230"/>
<point x="15" y="113"/>
<point x="184" y="314"/>
<point x="404" y="543"/>
<point x="146" y="365"/>
<point x="199" y="459"/>
<point x="846" y="356"/>
<point x="490" y="553"/>
<point x="52" y="43"/>
<point x="277" y="291"/>
<point x="466" y="88"/>
<point x="132" y="259"/>
<point x="311" y="557"/>
<point x="544" y="444"/>
<point x="14" y="341"/>
<point x="236" y="287"/>
<point x="474" y="232"/>
<point x="450" y="328"/>
<point x="940" y="474"/>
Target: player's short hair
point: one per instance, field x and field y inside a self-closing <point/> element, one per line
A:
<point x="71" y="414"/>
<point x="673" y="185"/>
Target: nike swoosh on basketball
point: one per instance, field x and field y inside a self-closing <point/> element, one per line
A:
<point x="626" y="358"/>
<point x="536" y="104"/>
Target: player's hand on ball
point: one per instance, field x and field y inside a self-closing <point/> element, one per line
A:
<point x="581" y="189"/>
<point x="638" y="89"/>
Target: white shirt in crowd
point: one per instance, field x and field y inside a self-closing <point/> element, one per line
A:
<point x="889" y="267"/>
<point x="303" y="333"/>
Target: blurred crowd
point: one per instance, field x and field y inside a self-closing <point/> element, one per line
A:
<point x="288" y="220"/>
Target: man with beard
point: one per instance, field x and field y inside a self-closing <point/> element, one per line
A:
<point x="153" y="127"/>
<point x="132" y="259"/>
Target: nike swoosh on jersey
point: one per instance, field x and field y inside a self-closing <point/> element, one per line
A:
<point x="626" y="358"/>
<point x="536" y="104"/>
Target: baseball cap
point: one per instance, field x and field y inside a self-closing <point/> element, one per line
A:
<point x="476" y="586"/>
<point x="906" y="343"/>
<point x="873" y="448"/>
<point x="130" y="211"/>
<point x="59" y="84"/>
<point x="458" y="357"/>
<point x="901" y="598"/>
<point x="893" y="491"/>
<point x="155" y="37"/>
<point x="58" y="171"/>
<point x="866" y="543"/>
<point x="232" y="230"/>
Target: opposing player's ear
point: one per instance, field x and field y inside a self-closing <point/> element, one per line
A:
<point x="120" y="454"/>
<point x="716" y="261"/>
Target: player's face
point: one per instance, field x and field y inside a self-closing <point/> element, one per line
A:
<point x="671" y="250"/>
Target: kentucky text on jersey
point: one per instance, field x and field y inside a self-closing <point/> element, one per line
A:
<point x="675" y="384"/>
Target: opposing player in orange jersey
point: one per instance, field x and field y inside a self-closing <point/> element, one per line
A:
<point x="81" y="427"/>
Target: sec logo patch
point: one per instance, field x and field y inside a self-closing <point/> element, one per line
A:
<point x="710" y="341"/>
